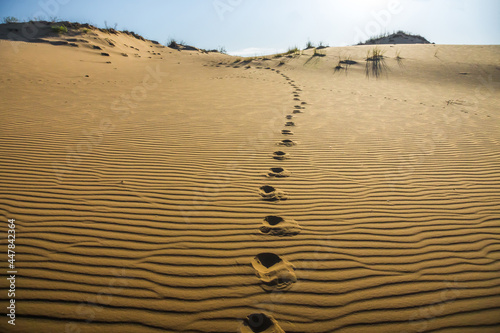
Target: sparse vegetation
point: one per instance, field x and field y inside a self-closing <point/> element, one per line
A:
<point x="85" y="30"/>
<point x="309" y="45"/>
<point x="379" y="39"/>
<point x="399" y="59"/>
<point x="292" y="50"/>
<point x="109" y="29"/>
<point x="36" y="19"/>
<point x="375" y="54"/>
<point x="344" y="64"/>
<point x="321" y="46"/>
<point x="10" y="19"/>
<point x="375" y="63"/>
<point x="222" y="49"/>
<point x="318" y="53"/>
<point x="172" y="43"/>
<point x="175" y="44"/>
<point x="61" y="29"/>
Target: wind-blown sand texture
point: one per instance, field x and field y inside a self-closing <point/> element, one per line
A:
<point x="139" y="188"/>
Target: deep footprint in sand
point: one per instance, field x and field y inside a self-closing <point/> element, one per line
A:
<point x="278" y="226"/>
<point x="286" y="143"/>
<point x="280" y="155"/>
<point x="269" y="193"/>
<point x="289" y="123"/>
<point x="289" y="116"/>
<point x="297" y="111"/>
<point x="260" y="323"/>
<point x="278" y="173"/>
<point x="286" y="132"/>
<point x="273" y="271"/>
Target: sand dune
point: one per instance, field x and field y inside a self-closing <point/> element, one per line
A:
<point x="149" y="189"/>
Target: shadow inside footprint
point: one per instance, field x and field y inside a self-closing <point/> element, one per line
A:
<point x="290" y="123"/>
<point x="273" y="271"/>
<point x="269" y="193"/>
<point x="289" y="116"/>
<point x="286" y="132"/>
<point x="287" y="143"/>
<point x="278" y="226"/>
<point x="297" y="111"/>
<point x="278" y="173"/>
<point x="280" y="155"/>
<point x="260" y="323"/>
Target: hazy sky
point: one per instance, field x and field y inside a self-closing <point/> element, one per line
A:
<point x="251" y="27"/>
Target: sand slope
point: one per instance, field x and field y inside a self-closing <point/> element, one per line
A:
<point x="137" y="189"/>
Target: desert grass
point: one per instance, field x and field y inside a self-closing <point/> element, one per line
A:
<point x="399" y="59"/>
<point x="61" y="29"/>
<point x="10" y="19"/>
<point x="291" y="52"/>
<point x="376" y="39"/>
<point x="375" y="63"/>
<point x="318" y="53"/>
<point x="344" y="64"/>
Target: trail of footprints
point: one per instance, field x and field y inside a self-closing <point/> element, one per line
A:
<point x="275" y="272"/>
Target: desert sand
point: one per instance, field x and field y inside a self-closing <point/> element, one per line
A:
<point x="174" y="190"/>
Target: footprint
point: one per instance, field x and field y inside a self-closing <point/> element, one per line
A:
<point x="260" y="323"/>
<point x="297" y="111"/>
<point x="303" y="103"/>
<point x="296" y="99"/>
<point x="278" y="173"/>
<point x="289" y="123"/>
<point x="287" y="143"/>
<point x="286" y="132"/>
<point x="289" y="116"/>
<point x="273" y="271"/>
<point x="298" y="107"/>
<point x="278" y="226"/>
<point x="269" y="193"/>
<point x="280" y="155"/>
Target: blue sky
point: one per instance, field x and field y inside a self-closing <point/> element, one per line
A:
<point x="250" y="27"/>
